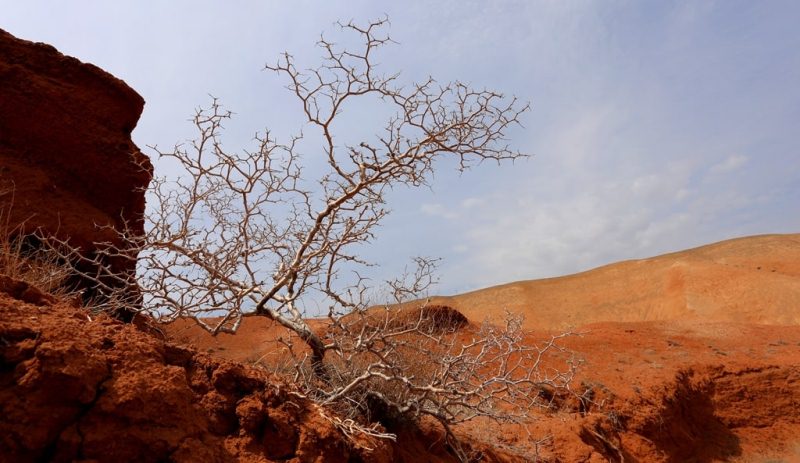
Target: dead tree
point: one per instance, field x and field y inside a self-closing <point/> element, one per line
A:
<point x="247" y="233"/>
<point x="238" y="217"/>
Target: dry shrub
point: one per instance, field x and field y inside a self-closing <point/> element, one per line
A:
<point x="257" y="232"/>
<point x="24" y="259"/>
<point x="395" y="367"/>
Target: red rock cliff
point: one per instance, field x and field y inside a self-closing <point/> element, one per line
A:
<point x="65" y="144"/>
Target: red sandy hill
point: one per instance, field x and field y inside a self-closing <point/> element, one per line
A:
<point x="690" y="356"/>
<point x="748" y="280"/>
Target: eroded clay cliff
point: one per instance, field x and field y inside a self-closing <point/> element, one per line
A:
<point x="67" y="162"/>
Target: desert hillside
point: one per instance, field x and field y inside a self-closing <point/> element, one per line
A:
<point x="689" y="356"/>
<point x="752" y="280"/>
<point x="745" y="280"/>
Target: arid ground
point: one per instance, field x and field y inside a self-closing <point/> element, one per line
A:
<point x="690" y="356"/>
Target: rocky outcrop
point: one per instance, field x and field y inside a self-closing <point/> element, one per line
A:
<point x="67" y="162"/>
<point x="80" y="387"/>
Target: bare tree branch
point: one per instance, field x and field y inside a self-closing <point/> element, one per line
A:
<point x="240" y="234"/>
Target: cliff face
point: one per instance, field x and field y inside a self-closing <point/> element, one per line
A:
<point x="65" y="145"/>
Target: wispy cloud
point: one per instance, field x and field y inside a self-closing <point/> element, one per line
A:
<point x="730" y="163"/>
<point x="438" y="210"/>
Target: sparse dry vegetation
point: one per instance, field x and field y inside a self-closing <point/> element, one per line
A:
<point x="247" y="234"/>
<point x="21" y="260"/>
<point x="393" y="366"/>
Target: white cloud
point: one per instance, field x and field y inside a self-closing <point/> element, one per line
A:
<point x="729" y="164"/>
<point x="600" y="221"/>
<point x="470" y="203"/>
<point x="581" y="134"/>
<point x="682" y="194"/>
<point x="438" y="210"/>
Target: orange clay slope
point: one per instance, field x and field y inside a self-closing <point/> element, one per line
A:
<point x="745" y="280"/>
<point x="748" y="280"/>
<point x="681" y="356"/>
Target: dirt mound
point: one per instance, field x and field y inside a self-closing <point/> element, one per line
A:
<point x="433" y="319"/>
<point x="74" y="387"/>
<point x="753" y="280"/>
<point x="429" y="319"/>
<point x="259" y="339"/>
<point x="717" y="408"/>
<point x="66" y="145"/>
<point x="676" y="391"/>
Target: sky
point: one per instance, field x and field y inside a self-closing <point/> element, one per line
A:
<point x="655" y="126"/>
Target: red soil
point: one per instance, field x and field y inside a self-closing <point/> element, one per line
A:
<point x="680" y="391"/>
<point x="74" y="387"/>
<point x="660" y="391"/>
<point x="752" y="280"/>
<point x="667" y="388"/>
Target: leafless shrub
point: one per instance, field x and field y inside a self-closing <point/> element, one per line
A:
<point x="112" y="290"/>
<point x="245" y="234"/>
<point x="396" y="366"/>
<point x="242" y="234"/>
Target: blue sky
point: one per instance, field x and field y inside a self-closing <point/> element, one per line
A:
<point x="655" y="126"/>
